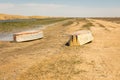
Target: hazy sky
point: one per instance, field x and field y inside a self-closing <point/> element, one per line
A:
<point x="75" y="8"/>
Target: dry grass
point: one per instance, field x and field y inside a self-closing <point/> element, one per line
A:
<point x="50" y="59"/>
<point x="116" y="20"/>
<point x="88" y="25"/>
<point x="10" y="17"/>
<point x="103" y="26"/>
<point x="68" y="23"/>
<point x="58" y="67"/>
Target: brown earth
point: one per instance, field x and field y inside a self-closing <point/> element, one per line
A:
<point x="50" y="59"/>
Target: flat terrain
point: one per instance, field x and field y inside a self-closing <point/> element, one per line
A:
<point x="50" y="59"/>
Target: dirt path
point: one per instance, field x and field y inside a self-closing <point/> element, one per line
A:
<point x="17" y="57"/>
<point x="100" y="59"/>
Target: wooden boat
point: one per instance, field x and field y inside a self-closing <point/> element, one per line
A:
<point x="80" y="38"/>
<point x="27" y="35"/>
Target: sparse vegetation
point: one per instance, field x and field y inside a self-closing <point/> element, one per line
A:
<point x="102" y="26"/>
<point x="50" y="59"/>
<point x="87" y="25"/>
<point x="116" y="20"/>
<point x="68" y="23"/>
<point x="81" y="19"/>
<point x="10" y="26"/>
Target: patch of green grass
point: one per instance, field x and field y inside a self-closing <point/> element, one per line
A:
<point x="10" y="26"/>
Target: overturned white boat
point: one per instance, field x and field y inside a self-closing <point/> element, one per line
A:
<point x="80" y="38"/>
<point x="28" y="35"/>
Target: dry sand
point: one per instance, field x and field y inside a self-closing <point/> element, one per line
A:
<point x="99" y="60"/>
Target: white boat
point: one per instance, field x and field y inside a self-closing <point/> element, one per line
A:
<point x="80" y="38"/>
<point x="27" y="35"/>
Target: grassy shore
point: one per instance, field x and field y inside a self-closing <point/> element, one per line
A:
<point x="26" y="24"/>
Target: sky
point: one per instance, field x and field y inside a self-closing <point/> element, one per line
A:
<point x="66" y="8"/>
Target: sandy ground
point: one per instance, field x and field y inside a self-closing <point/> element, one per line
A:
<point x="100" y="59"/>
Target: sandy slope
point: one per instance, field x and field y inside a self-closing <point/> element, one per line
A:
<point x="10" y="17"/>
<point x="100" y="59"/>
